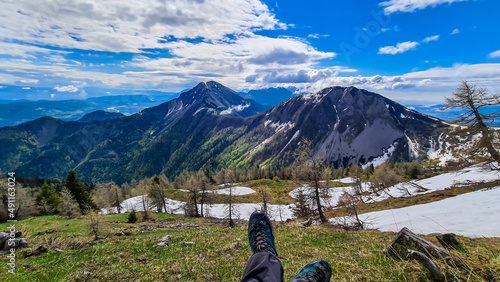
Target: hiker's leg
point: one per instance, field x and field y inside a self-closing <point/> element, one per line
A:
<point x="263" y="266"/>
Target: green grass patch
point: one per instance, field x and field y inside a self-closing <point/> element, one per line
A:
<point x="354" y="256"/>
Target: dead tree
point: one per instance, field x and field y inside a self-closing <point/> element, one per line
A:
<point x="472" y="99"/>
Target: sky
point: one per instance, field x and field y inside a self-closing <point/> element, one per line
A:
<point x="412" y="51"/>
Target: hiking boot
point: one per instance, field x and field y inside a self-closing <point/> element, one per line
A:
<point x="318" y="271"/>
<point x="260" y="233"/>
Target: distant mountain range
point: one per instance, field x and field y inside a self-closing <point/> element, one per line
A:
<point x="270" y="96"/>
<point x="213" y="126"/>
<point x="100" y="115"/>
<point x="17" y="112"/>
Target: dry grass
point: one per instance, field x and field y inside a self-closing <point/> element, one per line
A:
<point x="354" y="256"/>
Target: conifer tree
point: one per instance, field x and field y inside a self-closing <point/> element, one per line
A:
<point x="79" y="191"/>
<point x="48" y="200"/>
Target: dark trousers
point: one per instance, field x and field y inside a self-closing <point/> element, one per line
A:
<point x="265" y="267"/>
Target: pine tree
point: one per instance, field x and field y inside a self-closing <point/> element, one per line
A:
<point x="79" y="191"/>
<point x="48" y="200"/>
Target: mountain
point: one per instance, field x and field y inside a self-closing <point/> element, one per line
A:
<point x="212" y="126"/>
<point x="453" y="114"/>
<point x="14" y="113"/>
<point x="100" y="115"/>
<point x="270" y="96"/>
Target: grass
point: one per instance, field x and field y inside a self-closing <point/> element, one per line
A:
<point x="354" y="256"/>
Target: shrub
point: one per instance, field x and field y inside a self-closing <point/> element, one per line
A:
<point x="132" y="217"/>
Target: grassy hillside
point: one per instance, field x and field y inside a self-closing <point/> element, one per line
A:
<point x="126" y="252"/>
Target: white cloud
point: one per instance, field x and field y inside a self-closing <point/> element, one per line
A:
<point x="399" y="48"/>
<point x="393" y="6"/>
<point x="21" y="50"/>
<point x="421" y="86"/>
<point x="69" y="88"/>
<point x="317" y="35"/>
<point x="231" y="62"/>
<point x="431" y="38"/>
<point x="29" y="81"/>
<point x="128" y="25"/>
<point x="83" y="94"/>
<point x="455" y="31"/>
<point x="495" y="54"/>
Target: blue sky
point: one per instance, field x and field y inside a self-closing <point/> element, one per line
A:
<point x="413" y="51"/>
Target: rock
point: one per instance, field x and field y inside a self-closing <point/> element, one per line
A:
<point x="188" y="243"/>
<point x="237" y="244"/>
<point x="86" y="273"/>
<point x="162" y="244"/>
<point x="18" y="243"/>
<point x="167" y="239"/>
<point x="58" y="250"/>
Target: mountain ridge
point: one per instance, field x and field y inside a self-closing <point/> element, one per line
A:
<point x="213" y="126"/>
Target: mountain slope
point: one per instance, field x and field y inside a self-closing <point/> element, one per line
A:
<point x="99" y="115"/>
<point x="211" y="125"/>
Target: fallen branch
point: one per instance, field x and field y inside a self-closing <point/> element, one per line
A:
<point x="427" y="263"/>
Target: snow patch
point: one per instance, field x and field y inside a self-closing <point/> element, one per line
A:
<point x="472" y="214"/>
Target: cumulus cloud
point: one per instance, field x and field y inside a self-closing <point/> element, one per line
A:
<point x="399" y="48"/>
<point x="495" y="54"/>
<point x="128" y="25"/>
<point x="431" y="38"/>
<point x="455" y="31"/>
<point x="68" y="88"/>
<point x="393" y="6"/>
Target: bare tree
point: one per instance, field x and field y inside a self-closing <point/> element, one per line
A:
<point x="266" y="197"/>
<point x="312" y="171"/>
<point x="95" y="222"/>
<point x="192" y="185"/>
<point x="69" y="205"/>
<point x="141" y="190"/>
<point x="472" y="99"/>
<point x="156" y="192"/>
<point x="204" y="183"/>
<point x="227" y="178"/>
<point x="350" y="203"/>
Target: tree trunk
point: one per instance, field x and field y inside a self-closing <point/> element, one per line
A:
<point x="195" y="204"/>
<point x="449" y="241"/>
<point x="318" y="198"/>
<point x="202" y="200"/>
<point x="405" y="239"/>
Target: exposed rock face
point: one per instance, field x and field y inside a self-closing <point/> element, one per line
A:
<point x="211" y="125"/>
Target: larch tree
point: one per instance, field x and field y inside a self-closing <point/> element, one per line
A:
<point x="313" y="170"/>
<point x="473" y="99"/>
